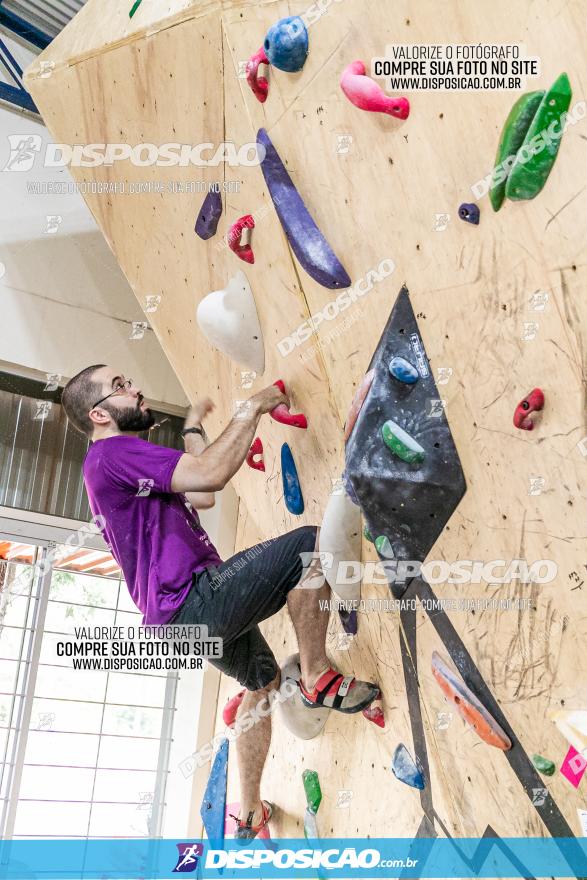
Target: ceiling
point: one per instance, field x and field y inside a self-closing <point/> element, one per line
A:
<point x="50" y="16"/>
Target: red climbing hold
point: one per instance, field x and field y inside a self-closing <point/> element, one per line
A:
<point x="231" y="708"/>
<point x="375" y="714"/>
<point x="243" y="251"/>
<point x="282" y="415"/>
<point x="258" y="84"/>
<point x="468" y="706"/>
<point x="534" y="402"/>
<point x="256" y="449"/>
<point x="365" y="94"/>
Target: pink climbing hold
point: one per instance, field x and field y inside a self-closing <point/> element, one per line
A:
<point x="256" y="449"/>
<point x="365" y="94"/>
<point x="231" y="708"/>
<point x="258" y="84"/>
<point x="282" y="415"/>
<point x="243" y="251"/>
<point x="573" y="767"/>
<point x="534" y="402"/>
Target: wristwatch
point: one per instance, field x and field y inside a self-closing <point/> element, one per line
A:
<point x="199" y="431"/>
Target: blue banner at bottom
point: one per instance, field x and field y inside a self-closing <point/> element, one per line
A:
<point x="289" y="858"/>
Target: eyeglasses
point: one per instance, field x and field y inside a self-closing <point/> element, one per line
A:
<point x="122" y="386"/>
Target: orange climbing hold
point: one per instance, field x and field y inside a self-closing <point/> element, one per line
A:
<point x="357" y="402"/>
<point x="468" y="706"/>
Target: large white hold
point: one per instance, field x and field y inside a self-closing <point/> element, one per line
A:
<point x="340" y="546"/>
<point x="228" y="319"/>
<point x="301" y="720"/>
<point x="573" y="726"/>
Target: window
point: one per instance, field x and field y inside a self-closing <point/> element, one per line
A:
<point x="85" y="753"/>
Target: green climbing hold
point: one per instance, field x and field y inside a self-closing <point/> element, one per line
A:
<point x="543" y="765"/>
<point x="134" y="8"/>
<point x="312" y="789"/>
<point x="367" y="534"/>
<point x="512" y="137"/>
<point x="536" y="156"/>
<point x="401" y="444"/>
<point x="384" y="548"/>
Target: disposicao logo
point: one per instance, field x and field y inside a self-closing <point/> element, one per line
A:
<point x="188" y="858"/>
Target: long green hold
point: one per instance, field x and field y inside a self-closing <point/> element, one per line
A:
<point x="134" y="8"/>
<point x="401" y="444"/>
<point x="312" y="789"/>
<point x="537" y="154"/>
<point x="512" y="137"/>
<point x="543" y="765"/>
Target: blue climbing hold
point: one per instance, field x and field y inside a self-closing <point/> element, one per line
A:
<point x="405" y="769"/>
<point x="213" y="806"/>
<point x="469" y="212"/>
<point x="292" y="491"/>
<point x="403" y="371"/>
<point x="286" y="44"/>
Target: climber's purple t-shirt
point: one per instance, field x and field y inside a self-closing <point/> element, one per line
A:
<point x="154" y="536"/>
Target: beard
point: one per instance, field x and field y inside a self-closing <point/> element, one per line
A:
<point x="133" y="418"/>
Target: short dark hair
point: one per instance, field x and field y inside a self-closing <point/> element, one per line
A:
<point x="78" y="396"/>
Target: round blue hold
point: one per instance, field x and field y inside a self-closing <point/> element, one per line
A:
<point x="403" y="371"/>
<point x="286" y="44"/>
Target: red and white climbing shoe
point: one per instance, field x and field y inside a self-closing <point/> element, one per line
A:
<point x="245" y="831"/>
<point x="344" y="693"/>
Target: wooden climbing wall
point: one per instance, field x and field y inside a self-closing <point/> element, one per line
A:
<point x="376" y="186"/>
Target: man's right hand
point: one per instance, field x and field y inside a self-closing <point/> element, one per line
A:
<point x="269" y="398"/>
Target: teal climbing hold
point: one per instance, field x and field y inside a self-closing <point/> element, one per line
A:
<point x="383" y="547"/>
<point x="292" y="491"/>
<point x="543" y="765"/>
<point x="403" y="371"/>
<point x="405" y="769"/>
<point x="368" y="536"/>
<point x="401" y="444"/>
<point x="134" y="8"/>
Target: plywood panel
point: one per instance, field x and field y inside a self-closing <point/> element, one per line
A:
<point x="177" y="79"/>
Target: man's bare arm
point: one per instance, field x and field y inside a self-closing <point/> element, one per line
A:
<point x="211" y="471"/>
<point x="195" y="445"/>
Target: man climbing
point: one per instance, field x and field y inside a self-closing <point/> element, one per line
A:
<point x="147" y="496"/>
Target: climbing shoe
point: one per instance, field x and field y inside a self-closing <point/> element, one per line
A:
<point x="344" y="693"/>
<point x="246" y="831"/>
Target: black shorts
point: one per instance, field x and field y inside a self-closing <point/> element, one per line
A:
<point x="232" y="599"/>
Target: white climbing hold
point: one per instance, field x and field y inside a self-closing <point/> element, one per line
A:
<point x="572" y="724"/>
<point x="340" y="542"/>
<point x="228" y="319"/>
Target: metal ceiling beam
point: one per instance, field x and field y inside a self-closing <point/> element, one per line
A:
<point x="23" y="29"/>
<point x="14" y="94"/>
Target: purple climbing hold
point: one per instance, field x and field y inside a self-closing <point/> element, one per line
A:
<point x="210" y="212"/>
<point x="349" y="620"/>
<point x="306" y="240"/>
<point x="469" y="212"/>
